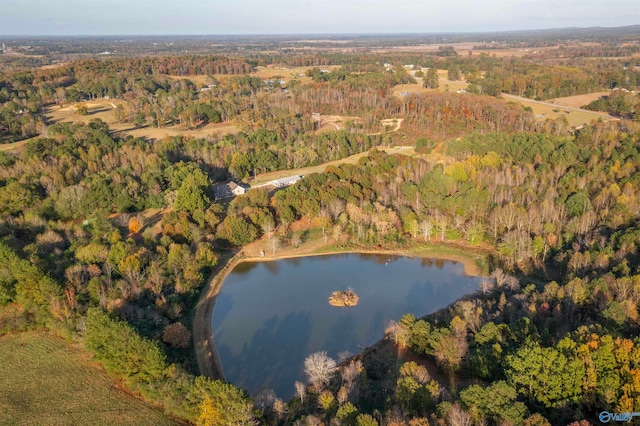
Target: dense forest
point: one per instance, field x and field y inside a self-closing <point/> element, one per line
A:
<point x="108" y="239"/>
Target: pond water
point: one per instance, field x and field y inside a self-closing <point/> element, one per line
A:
<point x="269" y="316"/>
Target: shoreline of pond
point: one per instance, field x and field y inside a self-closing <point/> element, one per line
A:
<point x="206" y="355"/>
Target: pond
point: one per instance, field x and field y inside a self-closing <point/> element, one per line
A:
<point x="269" y="316"/>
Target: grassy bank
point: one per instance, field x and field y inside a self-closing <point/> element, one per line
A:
<point x="44" y="381"/>
<point x="474" y="261"/>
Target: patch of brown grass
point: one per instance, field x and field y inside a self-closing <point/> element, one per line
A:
<point x="44" y="381"/>
<point x="444" y="85"/>
<point x="579" y="101"/>
<point x="576" y="118"/>
<point x="201" y="132"/>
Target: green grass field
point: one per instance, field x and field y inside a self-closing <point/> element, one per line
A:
<point x="44" y="381"/>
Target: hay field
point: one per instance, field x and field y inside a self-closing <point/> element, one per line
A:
<point x="289" y="73"/>
<point x="579" y="101"/>
<point x="44" y="381"/>
<point x="14" y="146"/>
<point x="201" y="132"/>
<point x="102" y="109"/>
<point x="463" y="49"/>
<point x="544" y="110"/>
<point x="443" y="85"/>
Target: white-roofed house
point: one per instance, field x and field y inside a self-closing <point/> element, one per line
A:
<point x="282" y="182"/>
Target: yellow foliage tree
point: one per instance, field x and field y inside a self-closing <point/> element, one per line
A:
<point x="208" y="413"/>
<point x="134" y="225"/>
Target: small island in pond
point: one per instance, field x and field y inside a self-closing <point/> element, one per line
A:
<point x="343" y="298"/>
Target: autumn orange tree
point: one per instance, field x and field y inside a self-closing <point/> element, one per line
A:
<point x="135" y="225"/>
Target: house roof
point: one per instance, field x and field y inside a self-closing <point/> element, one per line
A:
<point x="287" y="180"/>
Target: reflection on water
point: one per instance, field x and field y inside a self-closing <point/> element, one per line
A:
<point x="270" y="316"/>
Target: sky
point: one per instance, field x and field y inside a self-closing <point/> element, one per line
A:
<point x="156" y="17"/>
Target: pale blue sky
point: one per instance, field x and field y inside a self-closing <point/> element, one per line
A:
<point x="114" y="17"/>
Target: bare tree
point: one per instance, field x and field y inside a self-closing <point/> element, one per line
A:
<point x="456" y="416"/>
<point x="301" y="390"/>
<point x="267" y="227"/>
<point x="426" y="227"/>
<point x="279" y="408"/>
<point x="505" y="280"/>
<point x="344" y="356"/>
<point x="296" y="240"/>
<point x="319" y="368"/>
<point x="335" y="207"/>
<point x="399" y="333"/>
<point x="350" y="372"/>
<point x="265" y="399"/>
<point x="343" y="395"/>
<point x="275" y="244"/>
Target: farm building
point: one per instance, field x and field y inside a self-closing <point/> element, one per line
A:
<point x="290" y="180"/>
<point x="237" y="189"/>
<point x="227" y="190"/>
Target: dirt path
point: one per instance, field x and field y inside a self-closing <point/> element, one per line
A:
<point x="388" y="122"/>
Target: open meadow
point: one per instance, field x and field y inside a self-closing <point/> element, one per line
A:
<point x="576" y="117"/>
<point x="44" y="381"/>
<point x="579" y="101"/>
<point x="444" y="85"/>
<point x="289" y="73"/>
<point x="466" y="48"/>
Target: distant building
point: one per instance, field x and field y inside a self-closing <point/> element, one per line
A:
<point x="228" y="190"/>
<point x="290" y="180"/>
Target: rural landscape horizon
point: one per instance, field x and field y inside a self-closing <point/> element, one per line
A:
<point x="323" y="213"/>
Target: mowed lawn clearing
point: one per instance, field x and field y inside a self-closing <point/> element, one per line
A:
<point x="102" y="109"/>
<point x="44" y="381"/>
